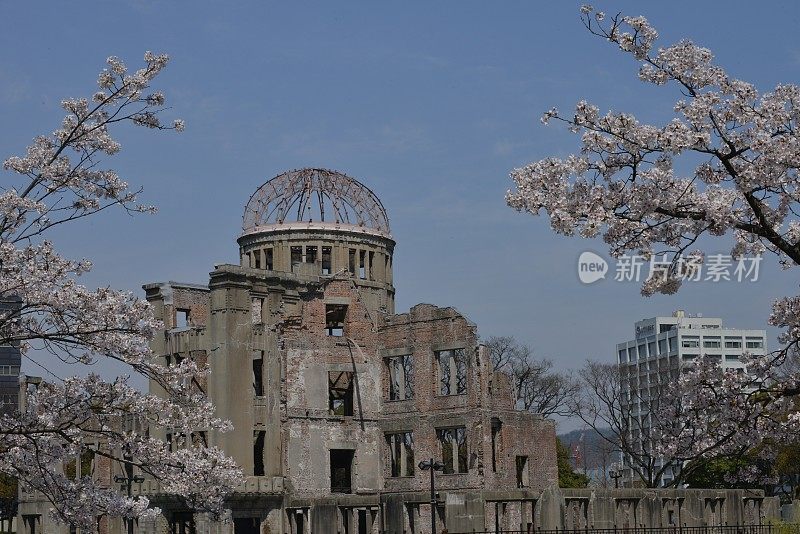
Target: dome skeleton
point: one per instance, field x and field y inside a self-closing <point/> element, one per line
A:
<point x="313" y="190"/>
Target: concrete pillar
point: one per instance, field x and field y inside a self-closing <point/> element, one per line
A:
<point x="550" y="509"/>
<point x="230" y="359"/>
<point x="790" y="513"/>
<point x="273" y="452"/>
<point x="324" y="518"/>
<point x="380" y="267"/>
<point x="283" y="259"/>
<point x="464" y="512"/>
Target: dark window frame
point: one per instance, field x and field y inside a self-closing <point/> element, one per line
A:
<point x="454" y="450"/>
<point x="341" y="389"/>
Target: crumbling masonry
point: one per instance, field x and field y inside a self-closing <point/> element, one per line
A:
<point x="335" y="399"/>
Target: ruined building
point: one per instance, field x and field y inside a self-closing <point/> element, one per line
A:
<point x="334" y="398"/>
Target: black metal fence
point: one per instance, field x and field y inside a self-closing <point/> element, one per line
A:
<point x="776" y="528"/>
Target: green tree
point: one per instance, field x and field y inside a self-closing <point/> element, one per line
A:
<point x="727" y="472"/>
<point x="717" y="473"/>
<point x="8" y="499"/>
<point x="787" y="468"/>
<point x="568" y="477"/>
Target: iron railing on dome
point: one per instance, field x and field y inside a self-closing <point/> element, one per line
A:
<point x="315" y="195"/>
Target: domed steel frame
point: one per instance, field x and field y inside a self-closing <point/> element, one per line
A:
<point x="315" y="195"/>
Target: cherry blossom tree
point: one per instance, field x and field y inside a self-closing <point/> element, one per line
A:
<point x="61" y="179"/>
<point x="744" y="151"/>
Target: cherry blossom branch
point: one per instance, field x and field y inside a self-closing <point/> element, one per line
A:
<point x="60" y="180"/>
<point x="622" y="185"/>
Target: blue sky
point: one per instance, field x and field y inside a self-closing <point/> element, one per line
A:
<point x="429" y="104"/>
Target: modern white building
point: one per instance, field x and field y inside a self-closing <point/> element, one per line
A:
<point x="661" y="348"/>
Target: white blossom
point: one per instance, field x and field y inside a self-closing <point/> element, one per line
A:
<point x="60" y="179"/>
<point x="623" y="184"/>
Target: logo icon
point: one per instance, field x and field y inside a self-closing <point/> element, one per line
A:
<point x="591" y="267"/>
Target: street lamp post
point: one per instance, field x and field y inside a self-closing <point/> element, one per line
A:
<point x="616" y="473"/>
<point x="128" y="480"/>
<point x="431" y="465"/>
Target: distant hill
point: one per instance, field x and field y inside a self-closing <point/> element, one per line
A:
<point x="598" y="452"/>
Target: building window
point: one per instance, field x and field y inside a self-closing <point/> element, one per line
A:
<point x="326" y="260"/>
<point x="269" y="256"/>
<point x="9" y="370"/>
<point x="351" y="261"/>
<point x="452" y="367"/>
<point x="258" y="375"/>
<point x="257" y="259"/>
<point x="712" y="343"/>
<point x="9" y="401"/>
<point x="311" y="254"/>
<point x="362" y="264"/>
<point x="523" y="477"/>
<point x="75" y="470"/>
<point x="731" y="357"/>
<point x="754" y="343"/>
<point x="340" y="392"/>
<point x="733" y="343"/>
<point x="256" y="308"/>
<point x="371" y="258"/>
<point x="341" y="470"/>
<point x="662" y="346"/>
<point x="401" y="454"/>
<point x="177" y="357"/>
<point x="453" y="442"/>
<point x="199" y="439"/>
<point x="401" y="377"/>
<point x="690" y="343"/>
<point x="296" y="256"/>
<point x="622" y="356"/>
<point x="182" y="318"/>
<point x="258" y="453"/>
<point x="497" y="426"/>
<point x="335" y="315"/>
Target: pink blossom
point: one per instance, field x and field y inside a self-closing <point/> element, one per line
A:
<point x="60" y="179"/>
<point x="623" y="184"/>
